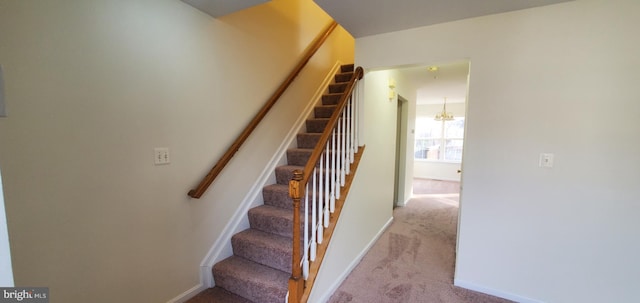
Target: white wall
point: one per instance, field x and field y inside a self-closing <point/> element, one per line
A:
<point x="542" y="80"/>
<point x="435" y="169"/>
<point x="92" y="87"/>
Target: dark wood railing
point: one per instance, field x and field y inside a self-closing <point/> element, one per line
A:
<point x="217" y="168"/>
<point x="297" y="185"/>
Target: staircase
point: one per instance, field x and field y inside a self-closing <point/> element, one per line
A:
<point x="260" y="267"/>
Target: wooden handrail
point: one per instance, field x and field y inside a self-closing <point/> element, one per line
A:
<point x="217" y="168"/>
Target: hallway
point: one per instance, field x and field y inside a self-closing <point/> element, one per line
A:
<point x="413" y="261"/>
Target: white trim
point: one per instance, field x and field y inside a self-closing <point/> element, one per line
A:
<point x="438" y="178"/>
<point x="494" y="292"/>
<point x="325" y="297"/>
<point x="185" y="296"/>
<point x="6" y="268"/>
<point x="222" y="246"/>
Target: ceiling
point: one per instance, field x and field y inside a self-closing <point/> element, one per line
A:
<point x="218" y="8"/>
<point x="450" y="81"/>
<point x="370" y="17"/>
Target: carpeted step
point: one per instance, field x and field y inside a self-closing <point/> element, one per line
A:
<point x="324" y="111"/>
<point x="316" y="125"/>
<point x="284" y="173"/>
<point x="298" y="156"/>
<point x="277" y="195"/>
<point x="272" y="219"/>
<point x="337" y="88"/>
<point x="343" y="77"/>
<point x="308" y="140"/>
<point x="265" y="248"/>
<point x="347" y="68"/>
<point x="251" y="280"/>
<point x="331" y="99"/>
<point x="217" y="295"/>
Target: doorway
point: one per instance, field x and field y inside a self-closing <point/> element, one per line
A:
<point x="402" y="122"/>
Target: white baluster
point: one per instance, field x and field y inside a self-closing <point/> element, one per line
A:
<point x="352" y="132"/>
<point x="320" y="201"/>
<point x="347" y="155"/>
<point x="305" y="258"/>
<point x="343" y="149"/>
<point x="313" y="217"/>
<point x="357" y="119"/>
<point x="334" y="194"/>
<point x="327" y="191"/>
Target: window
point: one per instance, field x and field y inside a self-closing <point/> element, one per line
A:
<point x="439" y="140"/>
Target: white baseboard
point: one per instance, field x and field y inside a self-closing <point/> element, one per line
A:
<point x="221" y="248"/>
<point x="325" y="297"/>
<point x="185" y="296"/>
<point x="493" y="292"/>
<point x="438" y="178"/>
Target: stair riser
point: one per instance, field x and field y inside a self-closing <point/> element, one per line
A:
<point x="323" y="111"/>
<point x="285" y="173"/>
<point x="316" y="125"/>
<point x="243" y="288"/>
<point x="298" y="157"/>
<point x="282" y="226"/>
<point x="274" y="257"/>
<point x="337" y="88"/>
<point x="347" y="68"/>
<point x="308" y="140"/>
<point x="331" y="99"/>
<point x="278" y="197"/>
<point x="281" y="198"/>
<point x="343" y="77"/>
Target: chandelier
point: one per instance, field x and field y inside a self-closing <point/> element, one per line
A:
<point x="444" y="115"/>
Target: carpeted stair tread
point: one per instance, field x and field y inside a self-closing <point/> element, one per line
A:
<point x="298" y="156"/>
<point x="343" y="77"/>
<point x="277" y="195"/>
<point x="324" y="111"/>
<point x="251" y="280"/>
<point x="217" y="295"/>
<point x="331" y="99"/>
<point x="272" y="219"/>
<point x="265" y="248"/>
<point x="308" y="140"/>
<point x="337" y="88"/>
<point x="347" y="68"/>
<point x="316" y="125"/>
<point x="284" y="173"/>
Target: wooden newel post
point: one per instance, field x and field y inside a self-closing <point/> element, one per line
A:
<point x="296" y="282"/>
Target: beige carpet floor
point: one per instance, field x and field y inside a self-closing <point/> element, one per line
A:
<point x="413" y="261"/>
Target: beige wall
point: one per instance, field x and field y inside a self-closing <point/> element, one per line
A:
<point x="92" y="87"/>
<point x="542" y="80"/>
<point x="370" y="202"/>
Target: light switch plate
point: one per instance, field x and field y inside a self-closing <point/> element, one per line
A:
<point x="161" y="156"/>
<point x="546" y="160"/>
